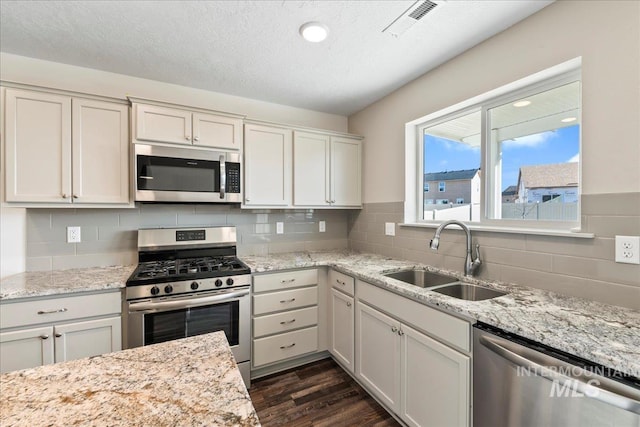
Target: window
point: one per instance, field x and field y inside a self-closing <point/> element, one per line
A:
<point x="426" y="187"/>
<point x="520" y="144"/>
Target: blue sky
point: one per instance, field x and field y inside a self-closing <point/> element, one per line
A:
<point x="558" y="146"/>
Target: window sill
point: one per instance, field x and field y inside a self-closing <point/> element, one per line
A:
<point x="510" y="230"/>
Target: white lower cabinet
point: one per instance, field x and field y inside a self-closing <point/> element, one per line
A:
<point x="40" y="332"/>
<point x="342" y="328"/>
<point x="420" y="379"/>
<point x="285" y="316"/>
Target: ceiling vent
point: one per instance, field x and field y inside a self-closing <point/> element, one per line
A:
<point x="417" y="11"/>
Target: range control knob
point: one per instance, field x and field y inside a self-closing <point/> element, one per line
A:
<point x="218" y="282"/>
<point x="229" y="281"/>
<point x="194" y="285"/>
<point x="168" y="289"/>
<point x="155" y="290"/>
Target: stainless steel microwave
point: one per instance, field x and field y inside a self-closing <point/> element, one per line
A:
<point x="186" y="175"/>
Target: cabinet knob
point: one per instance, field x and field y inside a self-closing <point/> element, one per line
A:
<point x="348" y="304"/>
<point x="333" y="201"/>
<point x="247" y="199"/>
<point x="64" y="196"/>
<point x="44" y="337"/>
<point x="394" y="329"/>
<point x="400" y="332"/>
<point x="196" y="138"/>
<point x="58" y="335"/>
<point x="75" y="196"/>
<point x="187" y="137"/>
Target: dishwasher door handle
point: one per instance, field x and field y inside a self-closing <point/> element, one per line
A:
<point x="613" y="393"/>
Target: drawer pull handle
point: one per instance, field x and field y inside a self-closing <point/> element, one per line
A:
<point x="284" y="301"/>
<point x="341" y="282"/>
<point x="58" y="335"/>
<point x="61" y="310"/>
<point x="282" y="347"/>
<point x="288" y="281"/>
<point x="286" y="322"/>
<point x="44" y="337"/>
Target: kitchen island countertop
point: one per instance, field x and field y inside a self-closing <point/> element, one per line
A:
<point x="192" y="381"/>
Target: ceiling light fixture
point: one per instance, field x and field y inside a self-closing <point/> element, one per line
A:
<point x="569" y="120"/>
<point x="521" y="104"/>
<point x="314" y="32"/>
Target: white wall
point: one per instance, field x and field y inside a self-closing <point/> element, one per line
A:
<point x="606" y="34"/>
<point x="31" y="71"/>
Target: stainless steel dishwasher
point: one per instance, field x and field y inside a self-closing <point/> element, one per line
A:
<point x="518" y="382"/>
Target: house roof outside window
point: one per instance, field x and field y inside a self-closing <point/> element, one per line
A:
<point x="549" y="176"/>
<point x="450" y="175"/>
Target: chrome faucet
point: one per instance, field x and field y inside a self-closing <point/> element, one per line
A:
<point x="469" y="266"/>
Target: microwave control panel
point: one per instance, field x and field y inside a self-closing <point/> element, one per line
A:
<point x="233" y="177"/>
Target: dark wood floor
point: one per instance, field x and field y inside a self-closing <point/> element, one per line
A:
<point x="317" y="394"/>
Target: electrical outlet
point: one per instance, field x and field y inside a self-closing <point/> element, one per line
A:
<point x="628" y="249"/>
<point x="73" y="235"/>
<point x="322" y="226"/>
<point x="279" y="227"/>
<point x="390" y="228"/>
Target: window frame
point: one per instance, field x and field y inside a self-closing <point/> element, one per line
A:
<point x="442" y="187"/>
<point x="553" y="77"/>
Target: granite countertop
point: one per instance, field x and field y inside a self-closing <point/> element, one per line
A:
<point x="602" y="333"/>
<point x="58" y="282"/>
<point x="192" y="381"/>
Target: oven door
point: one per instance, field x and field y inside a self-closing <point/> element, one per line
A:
<point x="167" y="174"/>
<point x="157" y="320"/>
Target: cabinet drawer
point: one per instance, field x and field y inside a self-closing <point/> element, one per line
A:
<point x="341" y="282"/>
<point x="285" y="300"/>
<point x="59" y="309"/>
<point x="280" y="281"/>
<point x="284" y="346"/>
<point x="282" y="322"/>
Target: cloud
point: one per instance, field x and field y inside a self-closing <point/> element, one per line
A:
<point x="574" y="159"/>
<point x="533" y="140"/>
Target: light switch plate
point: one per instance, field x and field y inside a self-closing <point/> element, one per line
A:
<point x="322" y="226"/>
<point x="628" y="249"/>
<point x="390" y="228"/>
<point x="73" y="235"/>
<point x="279" y="227"/>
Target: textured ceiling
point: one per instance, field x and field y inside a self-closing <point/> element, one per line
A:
<point x="252" y="48"/>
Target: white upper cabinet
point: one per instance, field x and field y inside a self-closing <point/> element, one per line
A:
<point x="267" y="166"/>
<point x="173" y="125"/>
<point x="38" y="147"/>
<point x="100" y="150"/>
<point x="311" y="169"/>
<point x="48" y="161"/>
<point x="346" y="176"/>
<point x="326" y="170"/>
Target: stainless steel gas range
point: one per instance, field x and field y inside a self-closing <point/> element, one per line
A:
<point x="189" y="282"/>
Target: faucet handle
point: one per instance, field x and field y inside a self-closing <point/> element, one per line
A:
<point x="477" y="253"/>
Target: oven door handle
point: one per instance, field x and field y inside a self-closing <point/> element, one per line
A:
<point x="148" y="305"/>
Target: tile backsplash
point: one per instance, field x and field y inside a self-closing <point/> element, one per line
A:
<point x="109" y="236"/>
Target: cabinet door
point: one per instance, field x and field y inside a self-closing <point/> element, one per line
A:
<point x="310" y="169"/>
<point x="161" y="124"/>
<point x="267" y="155"/>
<point x="217" y="131"/>
<point x="346" y="173"/>
<point x="342" y="328"/>
<point x="378" y="354"/>
<point x="87" y="338"/>
<point x="38" y="147"/>
<point x="26" y="349"/>
<point x="100" y="152"/>
<point x="435" y="382"/>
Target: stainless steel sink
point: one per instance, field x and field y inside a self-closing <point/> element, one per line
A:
<point x="468" y="292"/>
<point x="422" y="278"/>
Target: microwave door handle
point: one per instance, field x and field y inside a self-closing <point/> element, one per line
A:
<point x="223" y="176"/>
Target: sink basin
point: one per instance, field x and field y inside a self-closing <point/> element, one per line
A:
<point x="468" y="292"/>
<point x="422" y="278"/>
